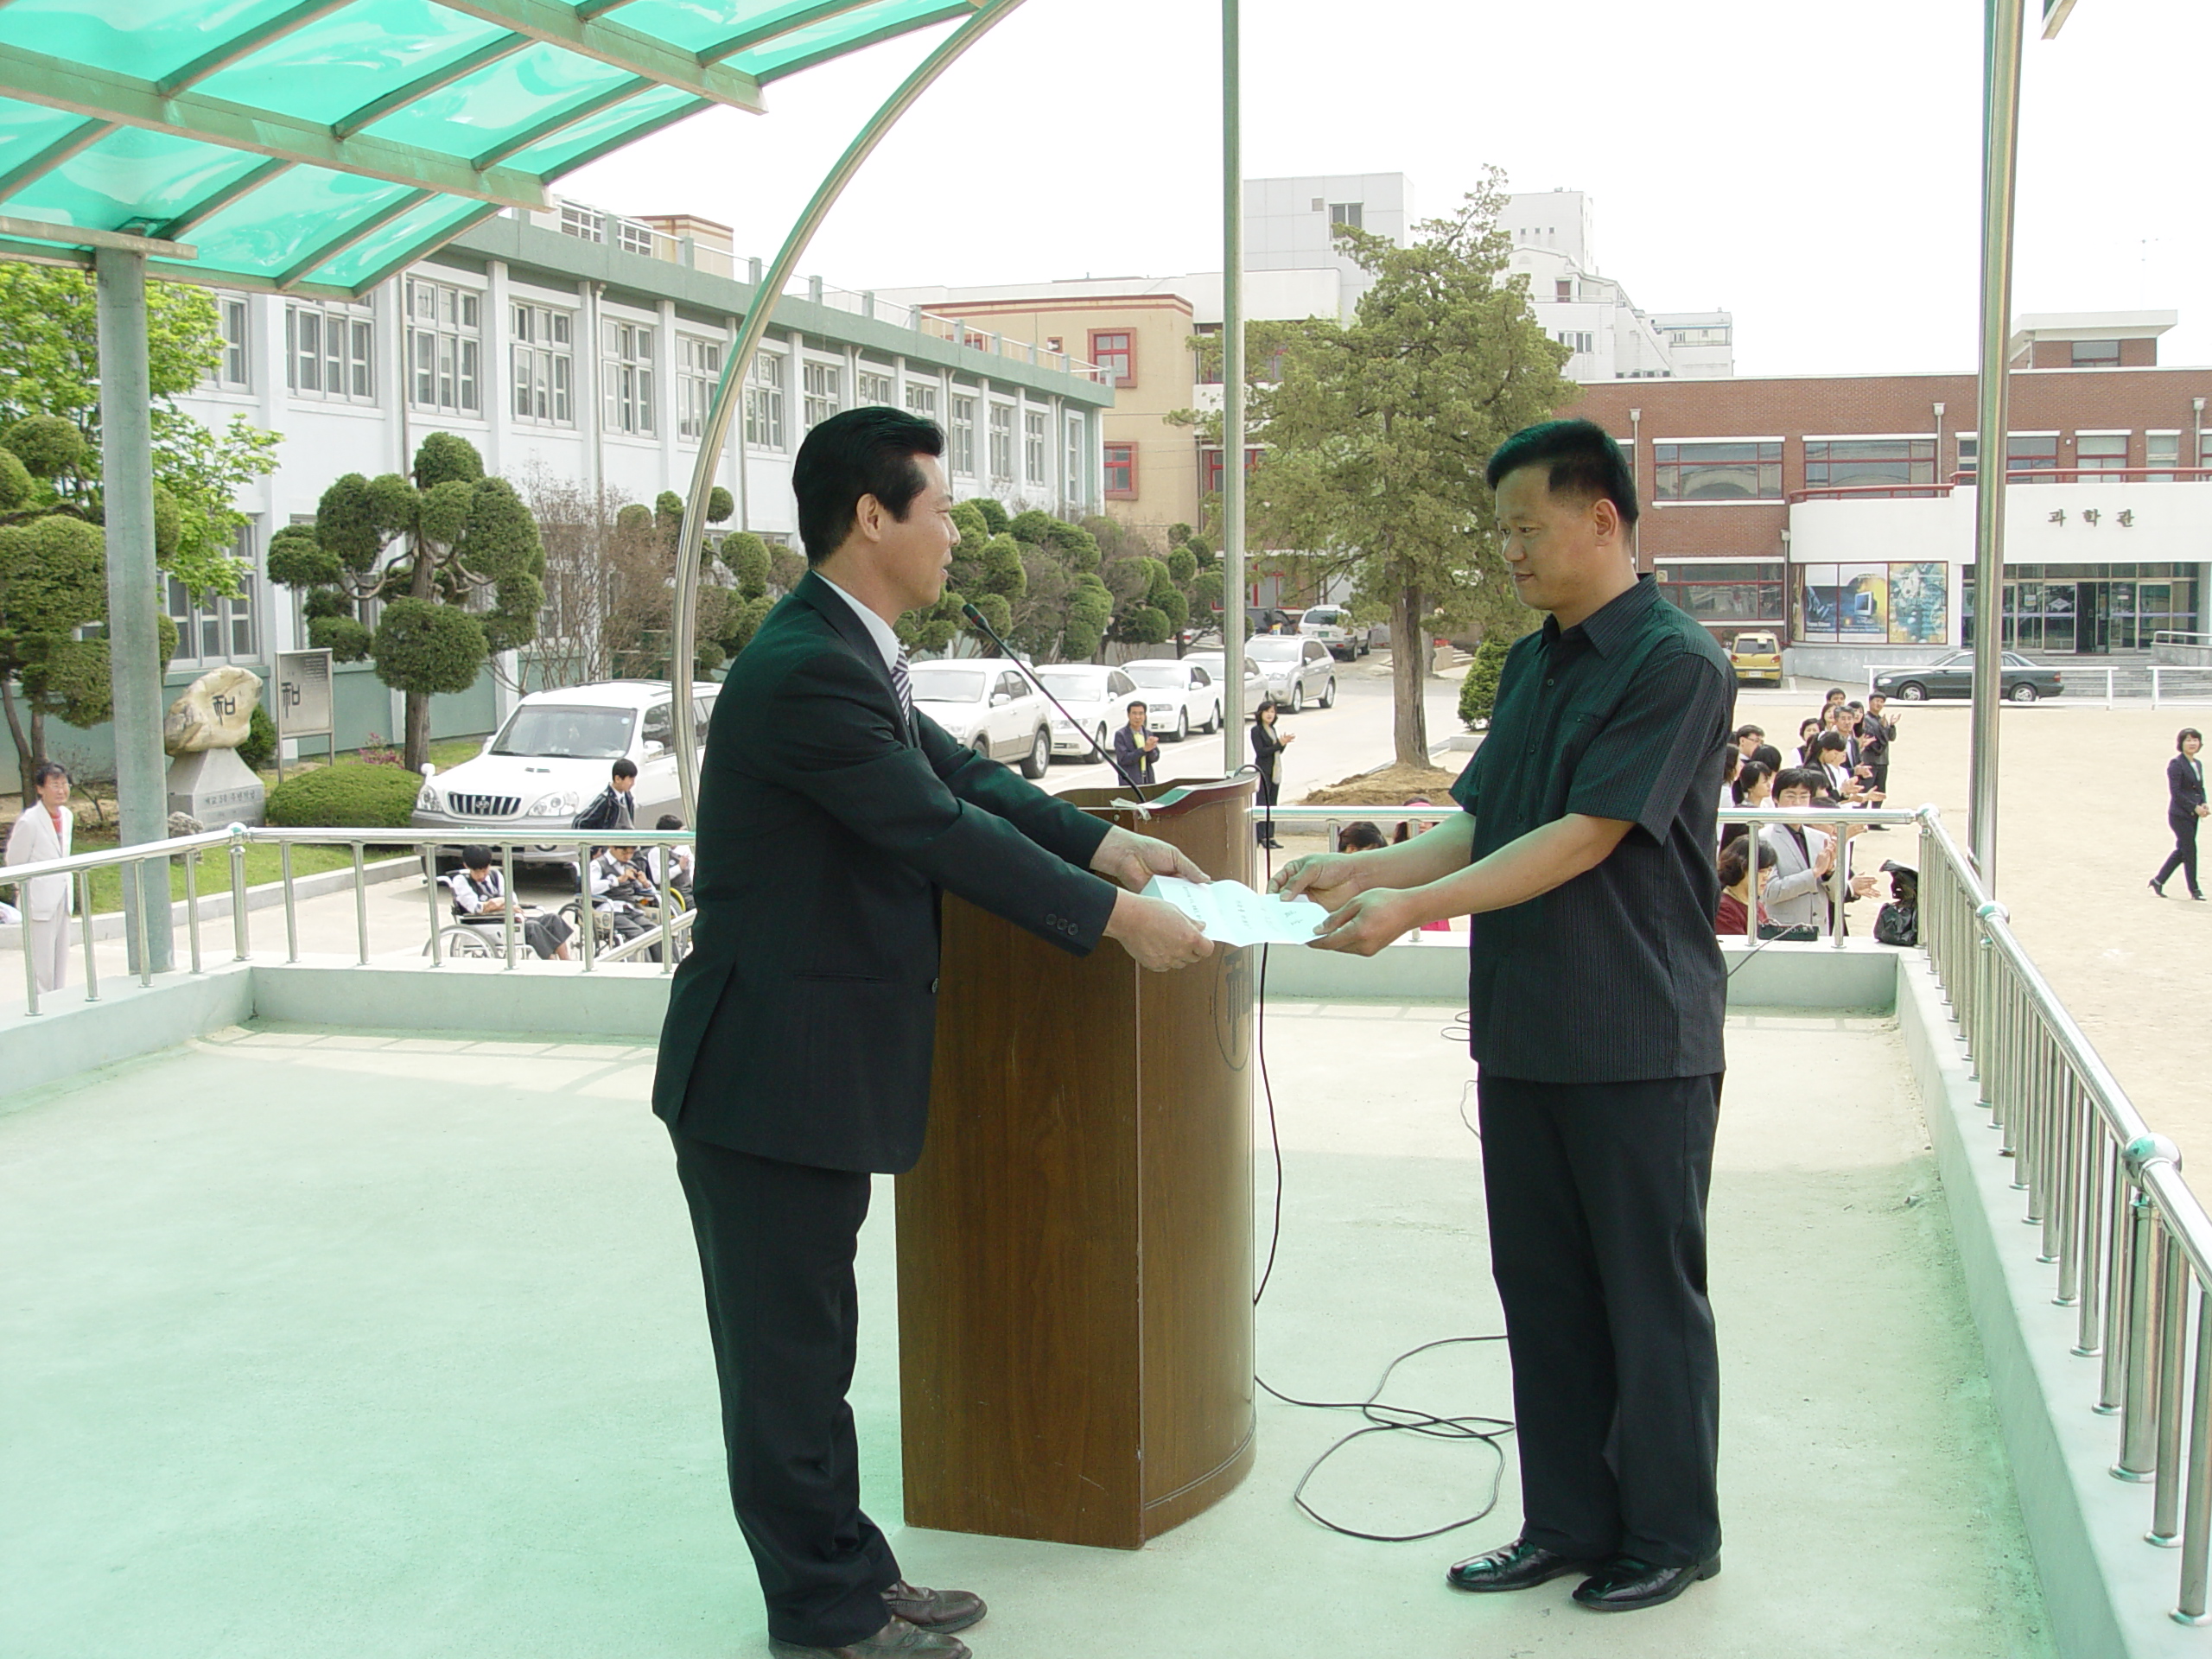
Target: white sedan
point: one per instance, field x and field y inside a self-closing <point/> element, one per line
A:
<point x="1097" y="696"/>
<point x="1299" y="671"/>
<point x="987" y="705"/>
<point x="1217" y="667"/>
<point x="1180" y="694"/>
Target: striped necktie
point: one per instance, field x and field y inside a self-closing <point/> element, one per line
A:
<point x="903" y="684"/>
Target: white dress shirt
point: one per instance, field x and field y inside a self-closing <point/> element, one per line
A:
<point x="885" y="637"/>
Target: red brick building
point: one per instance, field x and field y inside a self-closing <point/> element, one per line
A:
<point x="1840" y="507"/>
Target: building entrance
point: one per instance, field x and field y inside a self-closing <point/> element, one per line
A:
<point x="2093" y="610"/>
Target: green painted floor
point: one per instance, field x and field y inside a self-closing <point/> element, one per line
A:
<point x="320" y="1346"/>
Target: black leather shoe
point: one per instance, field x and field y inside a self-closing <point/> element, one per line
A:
<point x="2159" y="887"/>
<point x="1625" y="1584"/>
<point x="896" y="1640"/>
<point x="1519" y="1566"/>
<point x="943" y="1611"/>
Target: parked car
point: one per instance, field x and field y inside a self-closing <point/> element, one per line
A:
<point x="1258" y="619"/>
<point x="1181" y="693"/>
<point x="1299" y="671"/>
<point x="2020" y="680"/>
<point x="1097" y="696"/>
<point x="1216" y="666"/>
<point x="988" y="704"/>
<point x="1756" y="656"/>
<point x="553" y="754"/>
<point x="1333" y="626"/>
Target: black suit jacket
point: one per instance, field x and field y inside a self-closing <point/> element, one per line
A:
<point x="2184" y="789"/>
<point x="802" y="1024"/>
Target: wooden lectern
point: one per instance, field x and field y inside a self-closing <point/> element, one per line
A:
<point x="1075" y="1247"/>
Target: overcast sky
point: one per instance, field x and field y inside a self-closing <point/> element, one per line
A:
<point x="1814" y="169"/>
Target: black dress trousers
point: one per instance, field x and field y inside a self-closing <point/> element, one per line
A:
<point x="1596" y="1196"/>
<point x="776" y="1248"/>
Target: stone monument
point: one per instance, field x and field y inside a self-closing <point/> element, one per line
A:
<point x="207" y="781"/>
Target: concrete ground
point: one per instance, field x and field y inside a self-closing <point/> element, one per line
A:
<point x="340" y="1343"/>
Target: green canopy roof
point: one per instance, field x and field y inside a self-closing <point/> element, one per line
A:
<point x="320" y="145"/>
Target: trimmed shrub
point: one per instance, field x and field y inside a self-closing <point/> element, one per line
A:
<point x="1478" y="691"/>
<point x="347" y="796"/>
<point x="260" y="745"/>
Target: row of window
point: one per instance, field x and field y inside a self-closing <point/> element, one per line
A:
<point x="330" y="355"/>
<point x="1751" y="470"/>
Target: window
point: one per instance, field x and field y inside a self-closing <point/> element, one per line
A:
<point x="1001" y="444"/>
<point x="1891" y="604"/>
<point x="229" y="370"/>
<point x="1563" y="290"/>
<point x="1572" y="340"/>
<point x="330" y="352"/>
<point x="1717" y="471"/>
<point x="544" y="361"/>
<point x="625" y="375"/>
<point x="1210" y="469"/>
<point x="633" y="238"/>
<point x="764" y="400"/>
<point x="872" y="388"/>
<point x="1350" y="215"/>
<point x="2096" y="354"/>
<point x="2205" y="447"/>
<point x="1116" y="356"/>
<point x="2102" y="452"/>
<point x="698" y="372"/>
<point x="216" y="630"/>
<point x="444" y="336"/>
<point x="1033" y="445"/>
<point x="822" y="382"/>
<point x="2026" y="453"/>
<point x="1749" y="591"/>
<point x="963" y="437"/>
<point x="921" y="400"/>
<point x="586" y="223"/>
<point x="1121" y="471"/>
<point x="1072" y="468"/>
<point x="1868" y="463"/>
<point x="2162" y="449"/>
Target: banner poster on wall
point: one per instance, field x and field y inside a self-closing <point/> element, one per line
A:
<point x="1919" y="605"/>
<point x="1894" y="604"/>
<point x="1862" y="603"/>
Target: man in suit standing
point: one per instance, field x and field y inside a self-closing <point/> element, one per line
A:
<point x="1136" y="749"/>
<point x="795" y="1058"/>
<point x="41" y="834"/>
<point x="1584" y="856"/>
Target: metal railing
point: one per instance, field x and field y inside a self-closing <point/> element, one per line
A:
<point x="146" y="868"/>
<point x="2127" y="1242"/>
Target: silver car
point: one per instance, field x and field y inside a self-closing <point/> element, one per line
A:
<point x="1299" y="671"/>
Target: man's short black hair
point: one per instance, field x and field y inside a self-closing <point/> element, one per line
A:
<point x="1743" y="731"/>
<point x="669" y="821"/>
<point x="1584" y="462"/>
<point x="476" y="858"/>
<point x="1139" y="703"/>
<point x="861" y="452"/>
<point x="626" y="768"/>
<point x="1836" y="694"/>
<point x="1831" y="741"/>
<point x="1804" y="777"/>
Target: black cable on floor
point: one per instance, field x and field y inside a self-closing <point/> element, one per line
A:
<point x="1382" y="1417"/>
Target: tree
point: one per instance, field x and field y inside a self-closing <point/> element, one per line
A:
<point x="53" y="586"/>
<point x="431" y="547"/>
<point x="49" y="367"/>
<point x="1377" y="432"/>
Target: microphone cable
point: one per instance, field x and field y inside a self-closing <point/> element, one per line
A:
<point x="1380" y="1416"/>
<point x="976" y="616"/>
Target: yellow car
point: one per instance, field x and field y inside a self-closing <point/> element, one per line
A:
<point x="1756" y="657"/>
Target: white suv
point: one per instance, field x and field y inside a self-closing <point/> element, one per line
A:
<point x="988" y="704"/>
<point x="1333" y="626"/>
<point x="556" y="752"/>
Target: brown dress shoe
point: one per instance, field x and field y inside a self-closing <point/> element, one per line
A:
<point x="944" y="1611"/>
<point x="897" y="1638"/>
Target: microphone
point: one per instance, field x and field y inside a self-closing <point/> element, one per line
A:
<point x="968" y="609"/>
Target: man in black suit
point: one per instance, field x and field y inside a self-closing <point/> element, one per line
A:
<point x="795" y="1059"/>
<point x="1136" y="749"/>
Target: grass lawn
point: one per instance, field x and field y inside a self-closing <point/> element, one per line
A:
<point x="263" y="863"/>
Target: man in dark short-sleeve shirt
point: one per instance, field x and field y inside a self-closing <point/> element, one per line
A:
<point x="1583" y="858"/>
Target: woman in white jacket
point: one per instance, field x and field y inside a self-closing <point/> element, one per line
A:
<point x="41" y="834"/>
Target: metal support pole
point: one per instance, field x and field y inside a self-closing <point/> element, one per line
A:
<point x="2196" y="1508"/>
<point x="507" y="910"/>
<point x="291" y="903"/>
<point x="84" y="919"/>
<point x="192" y="903"/>
<point x="430" y="857"/>
<point x="2173" y="1342"/>
<point x="360" y="907"/>
<point x="690" y="545"/>
<point x="133" y="586"/>
<point x="2001" y="146"/>
<point x="2138" y="1445"/>
<point x="1232" y="388"/>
